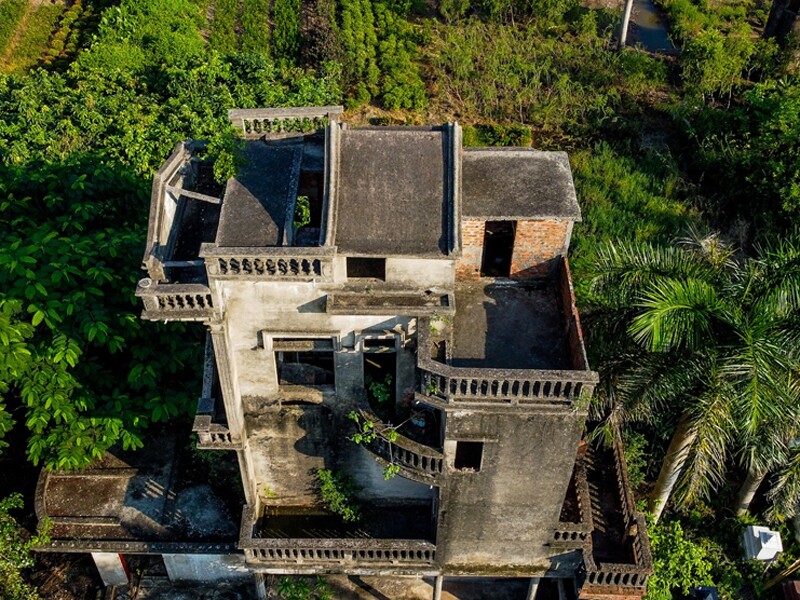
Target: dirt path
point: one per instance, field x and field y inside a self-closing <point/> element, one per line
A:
<point x="12" y="45"/>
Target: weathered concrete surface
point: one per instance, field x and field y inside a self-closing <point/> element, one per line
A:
<point x="254" y="209"/>
<point x="517" y="184"/>
<point x="365" y="587"/>
<point x="509" y="326"/>
<point x="209" y="568"/>
<point x="132" y="497"/>
<point x="502" y="516"/>
<point x="111" y="568"/>
<point x="391" y="192"/>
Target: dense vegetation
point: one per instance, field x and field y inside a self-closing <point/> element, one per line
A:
<point x="94" y="94"/>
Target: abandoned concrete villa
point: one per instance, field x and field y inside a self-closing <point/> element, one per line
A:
<point x="425" y="291"/>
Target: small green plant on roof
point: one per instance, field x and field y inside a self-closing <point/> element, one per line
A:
<point x="337" y="492"/>
<point x="380" y="391"/>
<point x="368" y="431"/>
<point x="302" y="212"/>
<point x="299" y="588"/>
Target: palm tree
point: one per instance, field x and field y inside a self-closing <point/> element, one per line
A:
<point x="700" y="337"/>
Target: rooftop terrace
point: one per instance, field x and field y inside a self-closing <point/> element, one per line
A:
<point x="509" y="326"/>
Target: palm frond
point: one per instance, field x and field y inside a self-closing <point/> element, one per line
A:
<point x="678" y="315"/>
<point x="784" y="493"/>
<point x="713" y="426"/>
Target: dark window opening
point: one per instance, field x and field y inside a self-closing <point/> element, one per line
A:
<point x="305" y="368"/>
<point x="498" y="248"/>
<point x="380" y="375"/>
<point x="310" y="185"/>
<point x="469" y="456"/>
<point x="368" y="268"/>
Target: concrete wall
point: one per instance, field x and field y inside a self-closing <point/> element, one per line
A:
<point x="112" y="568"/>
<point x="414" y="274"/>
<point x="287" y="447"/>
<point x="503" y="515"/>
<point x="206" y="567"/>
<point x="258" y="311"/>
<point x="361" y="465"/>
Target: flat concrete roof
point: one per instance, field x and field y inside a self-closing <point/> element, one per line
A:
<point x="391" y="192"/>
<point x="509" y="326"/>
<point x="517" y="183"/>
<point x="133" y="496"/>
<point x="256" y="201"/>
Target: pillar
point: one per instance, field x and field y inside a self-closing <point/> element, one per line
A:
<point x="437" y="587"/>
<point x="261" y="587"/>
<point x="533" y="587"/>
<point x="112" y="568"/>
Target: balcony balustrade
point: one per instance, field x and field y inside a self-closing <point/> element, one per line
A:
<point x="175" y="301"/>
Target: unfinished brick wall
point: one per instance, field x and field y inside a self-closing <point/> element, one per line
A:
<point x="572" y="321"/>
<point x="536" y="244"/>
<point x="469" y="265"/>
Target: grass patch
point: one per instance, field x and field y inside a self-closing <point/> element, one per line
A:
<point x="11" y="13"/>
<point x="255" y="26"/>
<point x="625" y="198"/>
<point x="566" y="83"/>
<point x="34" y="41"/>
<point x="223" y="29"/>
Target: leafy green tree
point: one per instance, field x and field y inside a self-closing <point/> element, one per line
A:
<point x="15" y="552"/>
<point x="678" y="563"/>
<point x="77" y="151"/>
<point x="711" y="340"/>
<point x="69" y="321"/>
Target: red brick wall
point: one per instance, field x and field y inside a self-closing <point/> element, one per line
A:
<point x="469" y="265"/>
<point x="572" y="321"/>
<point x="536" y="243"/>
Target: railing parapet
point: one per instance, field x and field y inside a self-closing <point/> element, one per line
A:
<point x="213" y="436"/>
<point x="415" y="461"/>
<point x="256" y="122"/>
<point x="627" y="575"/>
<point x="466" y="385"/>
<point x="175" y="301"/>
<point x="279" y="263"/>
<point x="576" y="535"/>
<point x="340" y="551"/>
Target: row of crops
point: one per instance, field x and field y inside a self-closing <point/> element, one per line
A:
<point x="43" y="33"/>
<point x="248" y="25"/>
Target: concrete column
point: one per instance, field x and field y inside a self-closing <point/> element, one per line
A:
<point x="533" y="587"/>
<point x="112" y="568"/>
<point x="437" y="587"/>
<point x="233" y="409"/>
<point x="626" y="18"/>
<point x="247" y="472"/>
<point x="261" y="586"/>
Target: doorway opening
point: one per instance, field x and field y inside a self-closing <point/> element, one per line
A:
<point x="498" y="247"/>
